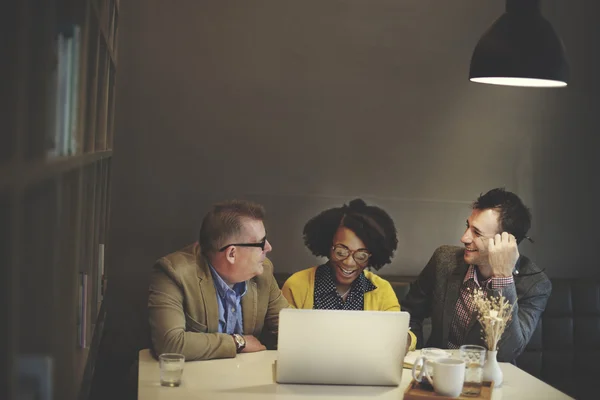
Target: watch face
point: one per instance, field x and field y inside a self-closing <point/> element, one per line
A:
<point x="240" y="342"/>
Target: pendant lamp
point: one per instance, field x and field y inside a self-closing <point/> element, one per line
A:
<point x="520" y="49"/>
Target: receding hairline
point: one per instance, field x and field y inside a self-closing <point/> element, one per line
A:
<point x="244" y="228"/>
<point x="226" y="222"/>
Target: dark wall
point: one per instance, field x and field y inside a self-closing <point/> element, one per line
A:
<point x="303" y="105"/>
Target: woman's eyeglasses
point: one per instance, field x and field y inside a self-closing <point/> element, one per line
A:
<point x="341" y="252"/>
<point x="260" y="245"/>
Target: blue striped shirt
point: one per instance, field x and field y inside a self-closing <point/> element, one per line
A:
<point x="230" y="304"/>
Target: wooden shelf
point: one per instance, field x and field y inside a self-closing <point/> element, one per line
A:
<point x="55" y="171"/>
<point x="24" y="174"/>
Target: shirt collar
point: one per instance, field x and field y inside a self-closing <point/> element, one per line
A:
<point x="364" y="284"/>
<point x="239" y="289"/>
<point x="471" y="274"/>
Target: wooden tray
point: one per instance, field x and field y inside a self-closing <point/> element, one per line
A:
<point x="420" y="391"/>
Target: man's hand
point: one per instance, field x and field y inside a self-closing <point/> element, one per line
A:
<point x="503" y="254"/>
<point x="252" y="345"/>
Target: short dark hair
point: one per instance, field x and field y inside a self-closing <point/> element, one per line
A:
<point x="370" y="223"/>
<point x="515" y="217"/>
<point x="224" y="222"/>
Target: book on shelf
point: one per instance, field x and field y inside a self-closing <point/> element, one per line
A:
<point x="99" y="286"/>
<point x="115" y="33"/>
<point x="51" y="100"/>
<point x="76" y="55"/>
<point x="82" y="320"/>
<point x="111" y="23"/>
<point x="65" y="93"/>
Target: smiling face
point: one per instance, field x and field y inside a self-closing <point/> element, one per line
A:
<point x="481" y="225"/>
<point x="347" y="270"/>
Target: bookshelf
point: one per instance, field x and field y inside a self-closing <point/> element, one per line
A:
<point x="55" y="166"/>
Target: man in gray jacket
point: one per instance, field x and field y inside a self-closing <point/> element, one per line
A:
<point x="489" y="260"/>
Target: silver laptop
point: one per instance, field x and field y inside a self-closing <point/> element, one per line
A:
<point x="337" y="347"/>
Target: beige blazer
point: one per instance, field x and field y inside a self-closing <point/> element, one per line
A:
<point x="183" y="310"/>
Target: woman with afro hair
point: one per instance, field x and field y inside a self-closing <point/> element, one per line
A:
<point x="352" y="237"/>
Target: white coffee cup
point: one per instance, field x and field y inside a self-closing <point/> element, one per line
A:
<point x="431" y="354"/>
<point x="448" y="375"/>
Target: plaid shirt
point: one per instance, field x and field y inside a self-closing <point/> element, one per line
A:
<point x="465" y="308"/>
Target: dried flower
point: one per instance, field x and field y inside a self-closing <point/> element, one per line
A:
<point x="493" y="313"/>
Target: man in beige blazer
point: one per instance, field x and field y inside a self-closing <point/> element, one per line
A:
<point x="217" y="297"/>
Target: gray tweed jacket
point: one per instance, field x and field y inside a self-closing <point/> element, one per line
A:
<point x="435" y="293"/>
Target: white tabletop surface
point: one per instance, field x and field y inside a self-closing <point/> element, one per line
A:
<point x="250" y="376"/>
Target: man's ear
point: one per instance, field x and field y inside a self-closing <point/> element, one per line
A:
<point x="231" y="254"/>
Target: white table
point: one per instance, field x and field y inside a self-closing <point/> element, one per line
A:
<point x="250" y="376"/>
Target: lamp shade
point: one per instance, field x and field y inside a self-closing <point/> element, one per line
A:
<point x="520" y="49"/>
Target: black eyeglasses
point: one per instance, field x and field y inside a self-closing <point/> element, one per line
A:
<point x="260" y="245"/>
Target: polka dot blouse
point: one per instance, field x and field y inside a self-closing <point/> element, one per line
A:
<point x="327" y="296"/>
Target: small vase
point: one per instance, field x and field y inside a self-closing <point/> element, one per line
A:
<point x="491" y="369"/>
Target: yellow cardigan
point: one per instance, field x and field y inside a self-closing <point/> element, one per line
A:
<point x="299" y="291"/>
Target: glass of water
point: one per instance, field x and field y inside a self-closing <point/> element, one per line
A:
<point x="474" y="358"/>
<point x="171" y="369"/>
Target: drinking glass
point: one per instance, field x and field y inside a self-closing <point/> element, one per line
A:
<point x="474" y="358"/>
<point x="171" y="369"/>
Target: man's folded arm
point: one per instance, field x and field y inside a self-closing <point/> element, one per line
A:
<point x="525" y="316"/>
<point x="167" y="323"/>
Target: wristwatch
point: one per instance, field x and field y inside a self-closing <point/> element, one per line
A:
<point x="239" y="341"/>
